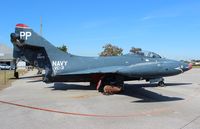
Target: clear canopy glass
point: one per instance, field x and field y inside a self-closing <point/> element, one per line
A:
<point x="146" y="54"/>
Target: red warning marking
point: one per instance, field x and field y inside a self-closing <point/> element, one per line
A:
<point x="21" y="26"/>
<point x="157" y="111"/>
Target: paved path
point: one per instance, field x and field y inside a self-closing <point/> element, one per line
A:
<point x="31" y="104"/>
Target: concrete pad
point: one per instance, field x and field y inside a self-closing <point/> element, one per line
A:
<point x="33" y="104"/>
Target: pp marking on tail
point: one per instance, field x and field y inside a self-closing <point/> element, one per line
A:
<point x="23" y="34"/>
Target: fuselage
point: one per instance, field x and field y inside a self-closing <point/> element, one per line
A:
<point x="131" y="65"/>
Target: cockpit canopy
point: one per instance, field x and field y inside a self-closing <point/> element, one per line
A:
<point x="145" y="54"/>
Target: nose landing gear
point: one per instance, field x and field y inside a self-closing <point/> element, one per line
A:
<point x="158" y="81"/>
<point x="161" y="84"/>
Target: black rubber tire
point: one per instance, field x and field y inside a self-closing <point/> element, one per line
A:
<point x="161" y="84"/>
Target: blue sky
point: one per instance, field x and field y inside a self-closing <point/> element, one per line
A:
<point x="168" y="27"/>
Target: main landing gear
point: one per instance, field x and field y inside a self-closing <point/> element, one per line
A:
<point x="110" y="84"/>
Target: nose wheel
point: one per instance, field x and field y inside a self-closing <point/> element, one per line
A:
<point x="158" y="81"/>
<point x="161" y="83"/>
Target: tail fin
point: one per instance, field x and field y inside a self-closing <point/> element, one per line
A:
<point x="32" y="47"/>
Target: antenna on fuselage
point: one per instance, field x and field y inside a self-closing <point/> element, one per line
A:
<point x="40" y="26"/>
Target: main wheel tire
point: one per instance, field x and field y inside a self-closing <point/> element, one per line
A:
<point x="161" y="84"/>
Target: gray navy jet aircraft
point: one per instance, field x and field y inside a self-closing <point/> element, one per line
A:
<point x="99" y="71"/>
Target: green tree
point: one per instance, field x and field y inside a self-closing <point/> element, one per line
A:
<point x="63" y="48"/>
<point x="135" y="50"/>
<point x="111" y="50"/>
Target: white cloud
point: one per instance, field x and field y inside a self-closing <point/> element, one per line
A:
<point x="147" y="18"/>
<point x="173" y="11"/>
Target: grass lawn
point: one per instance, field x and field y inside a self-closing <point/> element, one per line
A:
<point x="195" y="66"/>
<point x="5" y="77"/>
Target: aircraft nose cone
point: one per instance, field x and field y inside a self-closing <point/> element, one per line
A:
<point x="182" y="66"/>
<point x="190" y="65"/>
<point x="186" y="67"/>
<point x="13" y="37"/>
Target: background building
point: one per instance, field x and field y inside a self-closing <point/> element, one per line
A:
<point x="6" y="56"/>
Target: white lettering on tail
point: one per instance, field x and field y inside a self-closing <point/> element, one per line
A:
<point x="23" y="34"/>
<point x="59" y="65"/>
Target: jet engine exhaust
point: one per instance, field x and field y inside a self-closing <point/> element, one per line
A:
<point x="15" y="39"/>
